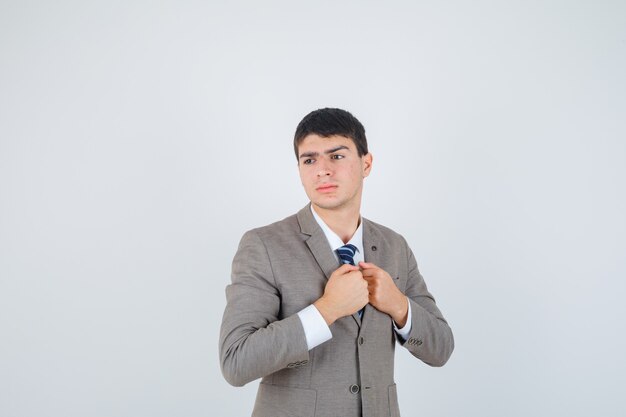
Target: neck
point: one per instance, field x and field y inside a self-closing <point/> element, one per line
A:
<point x="343" y="222"/>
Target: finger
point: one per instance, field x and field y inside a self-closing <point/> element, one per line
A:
<point x="367" y="265"/>
<point x="371" y="281"/>
<point x="369" y="272"/>
<point x="356" y="273"/>
<point x="345" y="268"/>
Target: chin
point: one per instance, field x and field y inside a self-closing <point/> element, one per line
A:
<point x="327" y="205"/>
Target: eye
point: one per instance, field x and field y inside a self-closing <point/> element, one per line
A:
<point x="308" y="161"/>
<point x="337" y="156"/>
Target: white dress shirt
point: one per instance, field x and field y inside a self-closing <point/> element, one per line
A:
<point x="315" y="328"/>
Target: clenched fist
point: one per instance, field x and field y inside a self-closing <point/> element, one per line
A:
<point x="345" y="294"/>
<point x="384" y="294"/>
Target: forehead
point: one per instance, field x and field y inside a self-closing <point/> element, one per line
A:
<point x="316" y="143"/>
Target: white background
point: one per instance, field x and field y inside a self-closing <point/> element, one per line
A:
<point x="140" y="139"/>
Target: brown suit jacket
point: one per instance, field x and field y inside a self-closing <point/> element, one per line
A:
<point x="282" y="268"/>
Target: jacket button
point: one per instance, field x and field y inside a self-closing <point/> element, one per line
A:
<point x="361" y="340"/>
<point x="374" y="248"/>
<point x="419" y="343"/>
<point x="354" y="388"/>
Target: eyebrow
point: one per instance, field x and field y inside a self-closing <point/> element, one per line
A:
<point x="329" y="151"/>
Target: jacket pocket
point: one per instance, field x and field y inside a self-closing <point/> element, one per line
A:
<point x="394" y="409"/>
<point x="279" y="401"/>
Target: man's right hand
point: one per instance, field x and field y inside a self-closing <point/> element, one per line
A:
<point x="345" y="294"/>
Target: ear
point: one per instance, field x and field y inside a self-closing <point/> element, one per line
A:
<point x="366" y="162"/>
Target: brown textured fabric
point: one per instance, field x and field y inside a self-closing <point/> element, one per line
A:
<point x="282" y="268"/>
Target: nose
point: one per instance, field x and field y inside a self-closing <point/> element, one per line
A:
<point x="323" y="169"/>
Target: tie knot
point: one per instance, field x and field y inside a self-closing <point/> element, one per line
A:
<point x="346" y="254"/>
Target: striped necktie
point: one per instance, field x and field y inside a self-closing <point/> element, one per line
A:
<point x="346" y="256"/>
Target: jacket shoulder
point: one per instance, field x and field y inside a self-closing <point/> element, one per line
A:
<point x="287" y="228"/>
<point x="385" y="231"/>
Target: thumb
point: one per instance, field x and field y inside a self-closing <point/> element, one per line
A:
<point x="345" y="268"/>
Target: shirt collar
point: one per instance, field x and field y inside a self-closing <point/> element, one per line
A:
<point x="334" y="240"/>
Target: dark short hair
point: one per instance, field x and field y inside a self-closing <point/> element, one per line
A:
<point x="329" y="122"/>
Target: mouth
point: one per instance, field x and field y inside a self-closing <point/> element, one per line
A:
<point x="326" y="188"/>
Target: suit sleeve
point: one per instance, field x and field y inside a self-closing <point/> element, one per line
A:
<point x="430" y="338"/>
<point x="253" y="341"/>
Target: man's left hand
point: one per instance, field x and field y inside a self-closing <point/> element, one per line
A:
<point x="384" y="294"/>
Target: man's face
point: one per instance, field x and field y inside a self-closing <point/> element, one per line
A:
<point x="332" y="171"/>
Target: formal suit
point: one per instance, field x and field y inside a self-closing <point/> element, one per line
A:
<point x="282" y="268"/>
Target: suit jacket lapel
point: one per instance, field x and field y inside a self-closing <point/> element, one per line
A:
<point x="372" y="244"/>
<point x="372" y="253"/>
<point x="318" y="244"/>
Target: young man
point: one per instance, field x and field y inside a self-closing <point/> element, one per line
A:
<point x="319" y="299"/>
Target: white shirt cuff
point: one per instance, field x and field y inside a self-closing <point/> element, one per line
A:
<point x="315" y="328"/>
<point x="404" y="332"/>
